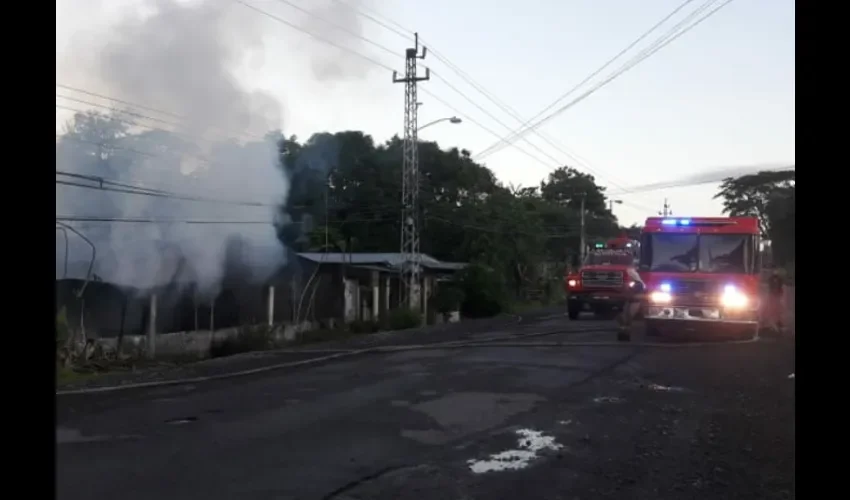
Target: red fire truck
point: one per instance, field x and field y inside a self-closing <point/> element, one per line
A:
<point x="601" y="283"/>
<point x="701" y="273"/>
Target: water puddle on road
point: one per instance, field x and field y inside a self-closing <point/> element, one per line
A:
<point x="608" y="399"/>
<point x="529" y="445"/>
<point x="181" y="421"/>
<point x="665" y="388"/>
<point x="74" y="436"/>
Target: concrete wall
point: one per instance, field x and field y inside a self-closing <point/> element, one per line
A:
<point x="110" y="310"/>
<point x="197" y="344"/>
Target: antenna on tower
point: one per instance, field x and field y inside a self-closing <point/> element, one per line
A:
<point x="666" y="211"/>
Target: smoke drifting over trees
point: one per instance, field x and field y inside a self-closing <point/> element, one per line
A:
<point x="192" y="128"/>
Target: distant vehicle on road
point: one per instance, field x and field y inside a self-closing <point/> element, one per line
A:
<point x="701" y="273"/>
<point x="601" y="284"/>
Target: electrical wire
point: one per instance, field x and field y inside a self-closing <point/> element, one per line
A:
<point x="105" y="185"/>
<point x="386" y="67"/>
<point x="408" y="34"/>
<point x="599" y="70"/>
<point x="609" y="79"/>
<point x="135" y="189"/>
<point x="313" y="35"/>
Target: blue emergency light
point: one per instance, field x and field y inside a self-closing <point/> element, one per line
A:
<point x="676" y="222"/>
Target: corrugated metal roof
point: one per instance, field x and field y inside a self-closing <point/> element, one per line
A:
<point x="446" y="266"/>
<point x="387" y="259"/>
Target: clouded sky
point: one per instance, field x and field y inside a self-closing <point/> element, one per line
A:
<point x="722" y="95"/>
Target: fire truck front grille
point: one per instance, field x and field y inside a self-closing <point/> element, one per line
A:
<point x="602" y="279"/>
<point x="696" y="292"/>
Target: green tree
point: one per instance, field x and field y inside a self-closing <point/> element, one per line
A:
<point x="781" y="215"/>
<point x="750" y="194"/>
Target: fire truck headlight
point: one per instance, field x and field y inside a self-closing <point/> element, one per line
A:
<point x="660" y="297"/>
<point x="572" y="282"/>
<point x="733" y="298"/>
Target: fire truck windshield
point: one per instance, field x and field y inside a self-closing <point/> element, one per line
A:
<point x="706" y="253"/>
<point x="609" y="258"/>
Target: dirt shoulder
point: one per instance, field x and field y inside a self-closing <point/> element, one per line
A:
<point x="150" y="372"/>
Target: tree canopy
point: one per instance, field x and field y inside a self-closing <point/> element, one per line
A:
<point x="770" y="196"/>
<point x="352" y="186"/>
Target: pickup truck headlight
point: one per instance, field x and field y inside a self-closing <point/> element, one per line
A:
<point x="572" y="283"/>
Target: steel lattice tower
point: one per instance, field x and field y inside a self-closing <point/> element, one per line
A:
<point x="410" y="269"/>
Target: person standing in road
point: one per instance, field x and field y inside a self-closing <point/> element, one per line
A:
<point x="631" y="307"/>
<point x="775" y="300"/>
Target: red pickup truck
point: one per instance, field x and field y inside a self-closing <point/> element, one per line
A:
<point x="601" y="283"/>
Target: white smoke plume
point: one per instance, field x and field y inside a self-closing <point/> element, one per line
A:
<point x="200" y="132"/>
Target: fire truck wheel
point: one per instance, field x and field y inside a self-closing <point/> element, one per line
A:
<point x="651" y="329"/>
<point x="573" y="309"/>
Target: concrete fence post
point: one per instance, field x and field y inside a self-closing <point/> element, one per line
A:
<point x="152" y="328"/>
<point x="271" y="305"/>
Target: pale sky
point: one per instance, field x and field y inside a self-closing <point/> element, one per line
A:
<point x="721" y="95"/>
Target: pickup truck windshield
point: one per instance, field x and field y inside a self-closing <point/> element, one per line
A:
<point x="609" y="258"/>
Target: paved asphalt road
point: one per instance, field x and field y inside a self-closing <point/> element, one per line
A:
<point x="473" y="423"/>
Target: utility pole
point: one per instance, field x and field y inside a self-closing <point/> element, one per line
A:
<point x="666" y="210"/>
<point x="582" y="240"/>
<point x="410" y="268"/>
<point x="327" y="211"/>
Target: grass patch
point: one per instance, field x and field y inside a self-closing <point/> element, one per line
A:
<point x="247" y="339"/>
<point x="68" y="376"/>
<point x="403" y="319"/>
<point x="323" y="335"/>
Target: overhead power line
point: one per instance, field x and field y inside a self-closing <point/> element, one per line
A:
<point x="106" y="185"/>
<point x="385" y="66"/>
<point x="313" y="35"/>
<point x="367" y="58"/>
<point x="589" y="77"/>
<point x="644" y="55"/>
<point x="72" y="218"/>
<point x="408" y="34"/>
<point x="575" y="158"/>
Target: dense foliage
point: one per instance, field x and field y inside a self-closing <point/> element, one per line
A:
<point x="770" y="196"/>
<point x="346" y="191"/>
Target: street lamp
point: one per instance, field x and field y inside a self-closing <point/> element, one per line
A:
<point x="451" y="119"/>
<point x="611" y="204"/>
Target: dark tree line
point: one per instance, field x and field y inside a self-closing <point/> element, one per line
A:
<point x="346" y="194"/>
<point x="770" y="196"/>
